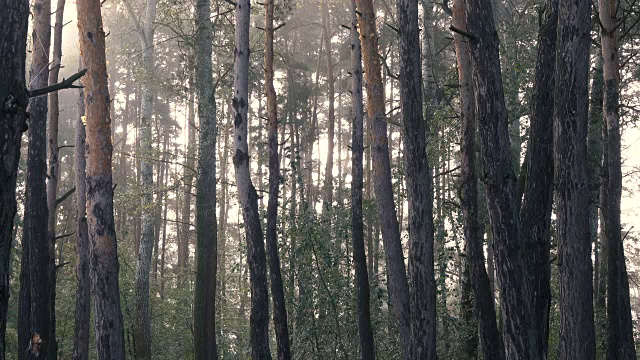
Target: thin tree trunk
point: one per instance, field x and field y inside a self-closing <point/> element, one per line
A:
<point x="594" y="171"/>
<point x="500" y="178"/>
<point x="109" y="335"/>
<point x="418" y="178"/>
<point x="473" y="233"/>
<point x="142" y="321"/>
<point x="577" y="337"/>
<point x="83" y="296"/>
<point x="36" y="236"/>
<point x="183" y="246"/>
<point x="365" y="331"/>
<point x="620" y="341"/>
<point x="247" y="196"/>
<point x="328" y="173"/>
<point x="277" y="291"/>
<point x="206" y="223"/>
<point x="14" y="20"/>
<point x="398" y="284"/>
<point x="54" y="166"/>
<point x="535" y="211"/>
<point x="161" y="203"/>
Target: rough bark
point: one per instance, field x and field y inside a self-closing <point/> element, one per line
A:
<point x="620" y="342"/>
<point x="498" y="174"/>
<point x="379" y="143"/>
<point x="206" y="224"/>
<point x="365" y="331"/>
<point x="247" y="195"/>
<point x="484" y="307"/>
<point x="36" y="236"/>
<point x="83" y="296"/>
<point x="13" y="122"/>
<point x="419" y="192"/>
<point x="109" y="335"/>
<point x="277" y="291"/>
<point x="535" y="212"/>
<point x="328" y="173"/>
<point x="577" y="337"/>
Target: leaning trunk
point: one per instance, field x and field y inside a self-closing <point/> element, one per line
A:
<point x="277" y="291"/>
<point x="500" y="178"/>
<point x="535" y="213"/>
<point x="473" y="234"/>
<point x="247" y="195"/>
<point x="419" y="193"/>
<point x="399" y="287"/>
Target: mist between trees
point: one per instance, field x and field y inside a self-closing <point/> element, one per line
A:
<point x="319" y="179"/>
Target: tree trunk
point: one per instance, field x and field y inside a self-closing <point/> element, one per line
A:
<point x="419" y="193"/>
<point x="142" y="321"/>
<point x="473" y="234"/>
<point x="277" y="291"/>
<point x="383" y="188"/>
<point x="36" y="236"/>
<point x="13" y="122"/>
<point x="54" y="166"/>
<point x="247" y="195"/>
<point x="183" y="246"/>
<point x="328" y="173"/>
<point x="577" y="337"/>
<point x="535" y="212"/>
<point x="109" y="334"/>
<point x="83" y="296"/>
<point x="620" y="342"/>
<point x="365" y="331"/>
<point x="499" y="175"/>
<point x="206" y="225"/>
<point x="594" y="172"/>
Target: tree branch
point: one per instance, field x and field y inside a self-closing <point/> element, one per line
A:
<point x="64" y="84"/>
<point x="463" y="33"/>
<point x="65" y="196"/>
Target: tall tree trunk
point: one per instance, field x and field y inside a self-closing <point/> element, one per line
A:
<point x="594" y="171"/>
<point x="222" y="229"/>
<point x="247" y="195"/>
<point x="277" y="291"/>
<point x="142" y="322"/>
<point x="328" y="173"/>
<point x="500" y="178"/>
<point x="365" y="331"/>
<point x="206" y="224"/>
<point x="473" y="232"/>
<point x="103" y="252"/>
<point x="419" y="193"/>
<point x="620" y="342"/>
<point x="83" y="295"/>
<point x="535" y="212"/>
<point x="577" y="337"/>
<point x="160" y="203"/>
<point x="383" y="188"/>
<point x="36" y="236"/>
<point x="183" y="246"/>
<point x="54" y="166"/>
<point x="14" y="20"/>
